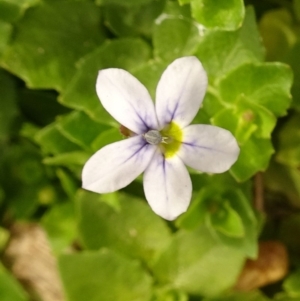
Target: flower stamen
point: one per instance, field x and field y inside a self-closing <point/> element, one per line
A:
<point x="153" y="137"/>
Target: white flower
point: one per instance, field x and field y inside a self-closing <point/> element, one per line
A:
<point x="162" y="142"/>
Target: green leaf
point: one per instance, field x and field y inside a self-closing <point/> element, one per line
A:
<point x="182" y="2"/>
<point x="53" y="142"/>
<point x="29" y="131"/>
<point x="8" y="104"/>
<point x="10" y="289"/>
<point x="195" y="260"/>
<point x="129" y="3"/>
<point x="132" y="228"/>
<point x="276" y="28"/>
<point x="5" y="34"/>
<point x="265" y="84"/>
<point x="227" y="221"/>
<point x="149" y="74"/>
<point x="66" y="159"/>
<point x="103" y="276"/>
<point x="173" y="9"/>
<point x="50" y="39"/>
<point x="80" y="129"/>
<point x="68" y="182"/>
<point x="296" y="6"/>
<point x="211" y="106"/>
<point x="293" y="60"/>
<point x="175" y="37"/>
<point x="284" y="297"/>
<point x="169" y="294"/>
<point x="227" y="15"/>
<point x="246" y="118"/>
<point x="227" y="213"/>
<point x="81" y="93"/>
<point x="251" y="159"/>
<point x="59" y="223"/>
<point x="283" y="180"/>
<point x="105" y="138"/>
<point x="126" y="20"/>
<point x="241" y="296"/>
<point x="222" y="51"/>
<point x="288" y="142"/>
<point x="291" y="284"/>
<point x="21" y="167"/>
<point x="12" y="10"/>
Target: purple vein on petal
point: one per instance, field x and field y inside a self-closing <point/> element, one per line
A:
<point x="142" y="125"/>
<point x="117" y="164"/>
<point x="171" y="113"/>
<point x="203" y="147"/>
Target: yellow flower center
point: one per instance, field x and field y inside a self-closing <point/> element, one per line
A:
<point x="172" y="139"/>
<point x="168" y="139"/>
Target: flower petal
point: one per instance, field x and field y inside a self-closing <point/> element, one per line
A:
<point x="126" y="99"/>
<point x="117" y="165"/>
<point x="180" y="92"/>
<point x="167" y="186"/>
<point x="208" y="148"/>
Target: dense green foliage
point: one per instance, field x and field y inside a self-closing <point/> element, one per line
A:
<point x="51" y="122"/>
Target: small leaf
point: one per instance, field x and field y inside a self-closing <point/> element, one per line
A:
<point x="131" y="229"/>
<point x="81" y="94"/>
<point x="227" y="15"/>
<point x="126" y="20"/>
<point x="251" y="159"/>
<point x="226" y="211"/>
<point x="245" y="119"/>
<point x="175" y="37"/>
<point x="194" y="260"/>
<point x="66" y="159"/>
<point x="227" y="221"/>
<point x="68" y="182"/>
<point x="50" y="39"/>
<point x="222" y="51"/>
<point x="265" y="84"/>
<point x="12" y="10"/>
<point x="149" y="74"/>
<point x="105" y="138"/>
<point x="53" y="142"/>
<point x="182" y="2"/>
<point x="104" y="275"/>
<point x="80" y="129"/>
<point x="59" y="223"/>
<point x="129" y="3"/>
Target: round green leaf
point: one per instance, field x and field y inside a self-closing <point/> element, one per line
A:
<point x="103" y="276"/>
<point x="222" y="14"/>
<point x="227" y="221"/>
<point x="131" y="229"/>
<point x="81" y="94"/>
<point x="195" y="260"/>
<point x="49" y="39"/>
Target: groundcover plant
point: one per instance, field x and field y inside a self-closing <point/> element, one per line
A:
<point x="227" y="225"/>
